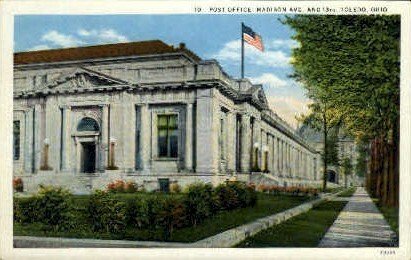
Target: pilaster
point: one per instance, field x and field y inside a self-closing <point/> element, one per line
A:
<point x="206" y="132"/>
<point x="245" y="143"/>
<point x="189" y="138"/>
<point x="145" y="137"/>
<point x="28" y="141"/>
<point x="65" y="139"/>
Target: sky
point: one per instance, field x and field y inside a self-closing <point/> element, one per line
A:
<point x="209" y="36"/>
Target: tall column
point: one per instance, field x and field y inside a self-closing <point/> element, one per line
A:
<point x="104" y="138"/>
<point x="65" y="139"/>
<point x="231" y="140"/>
<point x="28" y="141"/>
<point x="303" y="165"/>
<point x="289" y="159"/>
<point x="272" y="145"/>
<point x="299" y="164"/>
<point x="206" y="132"/>
<point x="189" y="137"/>
<point x="277" y="156"/>
<point x="37" y="137"/>
<point x="145" y="137"/>
<point x="282" y="158"/>
<point x="292" y="160"/>
<point x="245" y="143"/>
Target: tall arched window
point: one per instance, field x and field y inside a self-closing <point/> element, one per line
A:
<point x="88" y="124"/>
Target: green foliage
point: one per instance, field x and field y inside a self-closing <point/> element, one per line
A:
<point x="106" y="213"/>
<point x="171" y="215"/>
<point x="175" y="188"/>
<point x="25" y="210"/>
<point x="199" y="202"/>
<point x="347" y="166"/>
<point x="361" y="165"/>
<point x="147" y="210"/>
<point x="232" y="195"/>
<point x="351" y="64"/>
<point x="54" y="207"/>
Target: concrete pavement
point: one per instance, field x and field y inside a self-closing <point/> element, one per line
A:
<point x="360" y="224"/>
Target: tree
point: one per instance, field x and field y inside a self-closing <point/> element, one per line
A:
<point x="363" y="153"/>
<point x="352" y="64"/>
<point x="347" y="168"/>
<point x="322" y="119"/>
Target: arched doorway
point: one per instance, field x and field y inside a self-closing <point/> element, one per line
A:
<point x="88" y="130"/>
<point x="331" y="176"/>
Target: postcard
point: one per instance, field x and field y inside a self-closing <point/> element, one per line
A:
<point x="205" y="129"/>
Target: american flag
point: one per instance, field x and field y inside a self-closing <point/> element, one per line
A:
<point x="252" y="38"/>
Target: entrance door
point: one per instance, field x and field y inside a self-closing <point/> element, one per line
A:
<point x="89" y="157"/>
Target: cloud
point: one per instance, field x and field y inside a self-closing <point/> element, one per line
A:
<point x="40" y="47"/>
<point x="56" y="39"/>
<point x="231" y="52"/>
<point x="282" y="43"/>
<point x="270" y="80"/>
<point x="60" y="39"/>
<point x="102" y="36"/>
<point x="288" y="107"/>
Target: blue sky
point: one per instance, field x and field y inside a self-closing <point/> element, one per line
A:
<point x="209" y="36"/>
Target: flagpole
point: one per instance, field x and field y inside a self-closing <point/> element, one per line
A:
<point x="242" y="51"/>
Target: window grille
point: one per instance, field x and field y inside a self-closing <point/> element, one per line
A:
<point x="88" y="124"/>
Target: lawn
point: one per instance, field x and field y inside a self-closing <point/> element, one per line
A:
<point x="390" y="214"/>
<point x="305" y="230"/>
<point x="266" y="205"/>
<point x="348" y="193"/>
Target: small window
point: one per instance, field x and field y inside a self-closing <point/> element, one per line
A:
<point x="167" y="126"/>
<point x="16" y="140"/>
<point x="44" y="78"/>
<point x="164" y="185"/>
<point x="88" y="124"/>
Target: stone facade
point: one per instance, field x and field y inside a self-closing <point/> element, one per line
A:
<point x="81" y="123"/>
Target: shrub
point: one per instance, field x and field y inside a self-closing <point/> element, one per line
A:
<point x="25" y="210"/>
<point x="146" y="211"/>
<point x="130" y="187"/>
<point x="234" y="195"/>
<point x="18" y="184"/>
<point x="171" y="215"/>
<point x="116" y="186"/>
<point x="53" y="207"/>
<point x="175" y="188"/>
<point x="199" y="202"/>
<point x="106" y="213"/>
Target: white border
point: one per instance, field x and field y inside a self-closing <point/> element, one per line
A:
<point x="9" y="9"/>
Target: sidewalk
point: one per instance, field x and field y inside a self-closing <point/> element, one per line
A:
<point x="360" y="224"/>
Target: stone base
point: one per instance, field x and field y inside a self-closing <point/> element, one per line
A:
<point x="84" y="183"/>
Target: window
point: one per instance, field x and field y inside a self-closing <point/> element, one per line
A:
<point x="87" y="124"/>
<point x="16" y="140"/>
<point x="167" y="136"/>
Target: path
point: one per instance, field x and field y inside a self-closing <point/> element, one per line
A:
<point x="359" y="224"/>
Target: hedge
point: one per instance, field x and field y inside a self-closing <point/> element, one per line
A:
<point x="51" y="206"/>
<point x="106" y="213"/>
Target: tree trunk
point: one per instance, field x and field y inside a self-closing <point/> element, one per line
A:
<point x="325" y="153"/>
<point x="393" y="196"/>
<point x="385" y="170"/>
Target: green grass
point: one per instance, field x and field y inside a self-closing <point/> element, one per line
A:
<point x="348" y="193"/>
<point x="333" y="190"/>
<point x="266" y="205"/>
<point x="390" y="214"/>
<point x="305" y="230"/>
